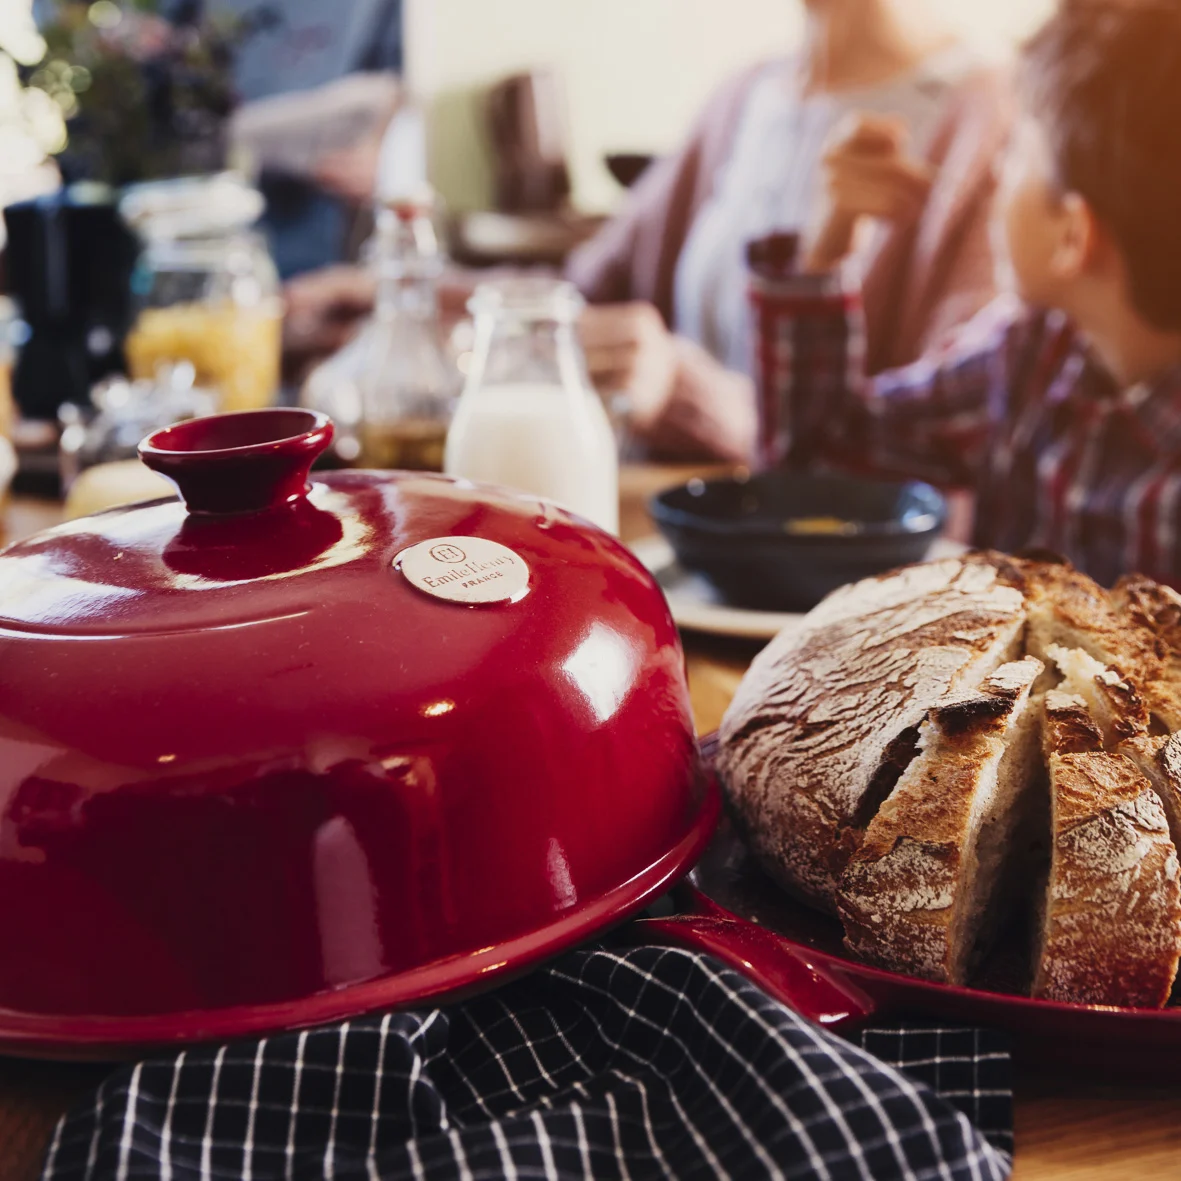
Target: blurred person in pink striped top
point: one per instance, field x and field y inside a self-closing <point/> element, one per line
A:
<point x="667" y="276"/>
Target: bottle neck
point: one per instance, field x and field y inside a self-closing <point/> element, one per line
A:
<point x="406" y="293"/>
<point x="407" y="263"/>
<point x="514" y="351"/>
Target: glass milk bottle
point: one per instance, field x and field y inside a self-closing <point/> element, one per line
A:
<point x="529" y="418"/>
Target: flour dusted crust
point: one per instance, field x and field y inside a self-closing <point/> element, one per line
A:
<point x="1112" y="702"/>
<point x="825" y="713"/>
<point x="1069" y="610"/>
<point x="1159" y="759"/>
<point x="914" y="895"/>
<point x="1068" y="727"/>
<point x="1112" y="922"/>
<point x="881" y="763"/>
<point x="1156" y="609"/>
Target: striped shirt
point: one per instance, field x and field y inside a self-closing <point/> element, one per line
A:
<point x="773" y="181"/>
<point x="1059" y="456"/>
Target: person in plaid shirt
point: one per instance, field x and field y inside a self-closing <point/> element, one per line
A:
<point x="1061" y="405"/>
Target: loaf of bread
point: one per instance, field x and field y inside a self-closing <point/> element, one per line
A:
<point x="898" y="758"/>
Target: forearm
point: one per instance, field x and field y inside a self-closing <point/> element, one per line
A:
<point x="901" y="425"/>
<point x="904" y="425"/>
<point x="831" y="243"/>
<point x="710" y="412"/>
<point x="933" y="419"/>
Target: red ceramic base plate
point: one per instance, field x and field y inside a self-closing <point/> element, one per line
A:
<point x="36" y="1035"/>
<point x="728" y="888"/>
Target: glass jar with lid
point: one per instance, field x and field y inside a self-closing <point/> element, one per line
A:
<point x="207" y="290"/>
<point x="529" y="417"/>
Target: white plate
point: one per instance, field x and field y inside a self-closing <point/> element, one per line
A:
<point x="697" y="606"/>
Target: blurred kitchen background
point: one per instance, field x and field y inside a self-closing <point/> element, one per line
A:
<point x="168" y="166"/>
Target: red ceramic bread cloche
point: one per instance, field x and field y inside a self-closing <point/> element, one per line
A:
<point x="288" y="751"/>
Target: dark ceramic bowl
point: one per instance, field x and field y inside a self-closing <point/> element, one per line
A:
<point x="780" y="541"/>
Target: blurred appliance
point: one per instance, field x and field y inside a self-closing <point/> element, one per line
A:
<point x="531" y="222"/>
<point x="527" y="124"/>
<point x="69" y="263"/>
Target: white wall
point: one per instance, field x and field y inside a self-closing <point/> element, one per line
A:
<point x="635" y="71"/>
<point x="998" y="22"/>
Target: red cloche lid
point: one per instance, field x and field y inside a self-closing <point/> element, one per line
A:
<point x="287" y="751"/>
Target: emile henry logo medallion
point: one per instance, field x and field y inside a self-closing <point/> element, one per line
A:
<point x="465" y="570"/>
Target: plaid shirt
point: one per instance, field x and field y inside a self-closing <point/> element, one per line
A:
<point x="1058" y="455"/>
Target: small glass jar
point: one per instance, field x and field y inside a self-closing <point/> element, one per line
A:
<point x="408" y="385"/>
<point x="529" y="417"/>
<point x="207" y="290"/>
<point x="392" y="389"/>
<point x="121" y="413"/>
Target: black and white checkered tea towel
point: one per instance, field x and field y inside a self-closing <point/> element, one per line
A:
<point x="631" y="1064"/>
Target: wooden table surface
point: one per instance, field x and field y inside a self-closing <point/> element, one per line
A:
<point x="1068" y="1125"/>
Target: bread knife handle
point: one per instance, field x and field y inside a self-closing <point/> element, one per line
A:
<point x="780" y="969"/>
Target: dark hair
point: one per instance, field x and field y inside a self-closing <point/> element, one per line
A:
<point x="1103" y="77"/>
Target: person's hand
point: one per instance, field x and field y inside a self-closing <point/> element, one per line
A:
<point x="350" y="172"/>
<point x="630" y="355"/>
<point x="867" y="174"/>
<point x="322" y="310"/>
<point x="322" y="304"/>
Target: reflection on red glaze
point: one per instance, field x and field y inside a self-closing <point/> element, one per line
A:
<point x="243" y="761"/>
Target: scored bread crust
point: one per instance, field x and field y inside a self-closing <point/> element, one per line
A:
<point x="1111" y="930"/>
<point x="1070" y="610"/>
<point x="1113" y="702"/>
<point x="932" y="870"/>
<point x="824" y="721"/>
<point x="1159" y="759"/>
<point x="1068" y="727"/>
<point x="1152" y="607"/>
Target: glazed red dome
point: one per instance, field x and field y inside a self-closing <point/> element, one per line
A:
<point x="256" y="772"/>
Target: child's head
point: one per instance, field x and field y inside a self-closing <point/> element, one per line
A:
<point x="1092" y="187"/>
